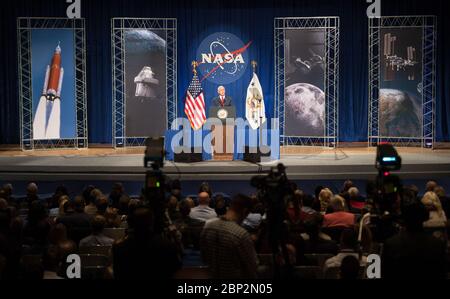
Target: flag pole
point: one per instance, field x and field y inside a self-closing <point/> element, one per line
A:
<point x="254" y="65"/>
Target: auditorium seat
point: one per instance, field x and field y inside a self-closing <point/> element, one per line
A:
<point x="114" y="233"/>
<point x="94" y="260"/>
<point x="93" y="272"/>
<point x="2" y="265"/>
<point x="307" y="272"/>
<point x="93" y="266"/>
<point x="265" y="259"/>
<point x="265" y="267"/>
<point x="334" y="232"/>
<point x="316" y="259"/>
<point x="193" y="273"/>
<point x="31" y="259"/>
<point x="334" y="273"/>
<point x="31" y="266"/>
<point x="102" y="250"/>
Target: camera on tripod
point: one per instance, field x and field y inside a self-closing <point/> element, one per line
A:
<point x="276" y="178"/>
<point x="388" y="185"/>
<point x="155" y="181"/>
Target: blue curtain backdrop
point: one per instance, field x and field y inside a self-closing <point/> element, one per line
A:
<point x="249" y="20"/>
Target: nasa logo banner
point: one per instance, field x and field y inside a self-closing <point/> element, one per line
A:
<point x="223" y="58"/>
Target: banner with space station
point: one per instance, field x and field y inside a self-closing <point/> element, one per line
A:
<point x="400" y="94"/>
<point x="145" y="82"/>
<point x="304" y="96"/>
<point x="53" y="84"/>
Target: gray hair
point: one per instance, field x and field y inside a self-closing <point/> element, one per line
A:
<point x="220" y="87"/>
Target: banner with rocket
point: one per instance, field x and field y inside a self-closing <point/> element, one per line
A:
<point x="54" y="84"/>
<point x="47" y="119"/>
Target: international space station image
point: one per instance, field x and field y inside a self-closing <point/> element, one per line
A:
<point x="394" y="63"/>
<point x="47" y="119"/>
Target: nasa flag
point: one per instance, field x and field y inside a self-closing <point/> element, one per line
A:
<point x="255" y="110"/>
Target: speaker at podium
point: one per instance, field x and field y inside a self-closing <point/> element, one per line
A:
<point x="223" y="135"/>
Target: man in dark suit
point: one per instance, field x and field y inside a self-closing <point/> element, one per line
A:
<point x="414" y="253"/>
<point x="222" y="100"/>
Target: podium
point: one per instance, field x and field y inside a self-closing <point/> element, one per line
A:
<point x="223" y="135"/>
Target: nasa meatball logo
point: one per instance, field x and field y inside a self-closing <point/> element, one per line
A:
<point x="222" y="58"/>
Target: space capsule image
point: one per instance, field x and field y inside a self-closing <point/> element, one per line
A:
<point x="47" y="119"/>
<point x="144" y="83"/>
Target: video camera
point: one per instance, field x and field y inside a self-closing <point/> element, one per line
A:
<point x="389" y="189"/>
<point x="156" y="183"/>
<point x="272" y="190"/>
<point x="276" y="178"/>
<point x="387" y="158"/>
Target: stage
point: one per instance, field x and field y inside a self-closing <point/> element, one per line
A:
<point x="107" y="164"/>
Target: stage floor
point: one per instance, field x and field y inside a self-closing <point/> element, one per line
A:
<point x="302" y="164"/>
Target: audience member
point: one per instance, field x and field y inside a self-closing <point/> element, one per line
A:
<point x="101" y="204"/>
<point x="50" y="261"/>
<point x="37" y="227"/>
<point x="204" y="187"/>
<point x="350" y="268"/>
<point x="414" y="254"/>
<point x="57" y="234"/>
<point x="144" y="254"/>
<point x="315" y="241"/>
<point x="61" y="190"/>
<point x="97" y="238"/>
<point x="349" y="247"/>
<point x="355" y="201"/>
<point x="190" y="228"/>
<point x="32" y="194"/>
<point x="56" y="210"/>
<point x="203" y="211"/>
<point x="325" y="197"/>
<point x="8" y="194"/>
<point x="254" y="219"/>
<point x="308" y="207"/>
<point x="430" y="186"/>
<point x="78" y="224"/>
<point x="117" y="192"/>
<point x="339" y="217"/>
<point x="90" y="197"/>
<point x="445" y="201"/>
<point x="226" y="247"/>
<point x="173" y="209"/>
<point x="437" y="217"/>
<point x="220" y="206"/>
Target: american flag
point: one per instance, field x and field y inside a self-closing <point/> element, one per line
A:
<point x="194" y="106"/>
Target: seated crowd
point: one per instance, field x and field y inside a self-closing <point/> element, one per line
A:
<point x="211" y="235"/>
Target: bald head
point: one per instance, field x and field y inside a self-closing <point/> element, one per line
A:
<point x="32" y="188"/>
<point x="8" y="188"/>
<point x="203" y="199"/>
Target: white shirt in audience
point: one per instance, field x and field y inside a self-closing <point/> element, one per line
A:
<point x="203" y="213"/>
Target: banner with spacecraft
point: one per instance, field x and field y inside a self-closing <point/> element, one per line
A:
<point x="53" y="84"/>
<point x="400" y="95"/>
<point x="145" y="82"/>
<point x="304" y="98"/>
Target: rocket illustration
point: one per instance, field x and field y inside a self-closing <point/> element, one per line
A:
<point x="47" y="120"/>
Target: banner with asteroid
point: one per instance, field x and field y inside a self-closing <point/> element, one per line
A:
<point x="304" y="97"/>
<point x="400" y="98"/>
<point x="145" y="83"/>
